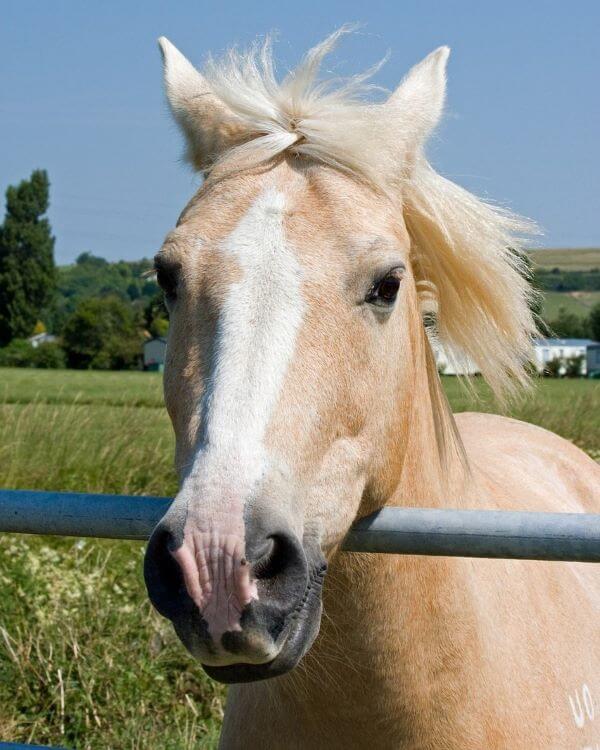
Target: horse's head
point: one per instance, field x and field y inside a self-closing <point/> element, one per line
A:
<point x="292" y="286"/>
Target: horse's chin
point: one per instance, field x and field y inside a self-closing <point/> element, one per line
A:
<point x="301" y="634"/>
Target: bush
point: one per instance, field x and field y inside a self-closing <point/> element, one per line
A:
<point x="103" y="334"/>
<point x="49" y="356"/>
<point x="17" y="354"/>
<point x="573" y="366"/>
<point x="553" y="367"/>
<point x="20" y="353"/>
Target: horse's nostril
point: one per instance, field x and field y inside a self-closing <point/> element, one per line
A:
<point x="273" y="559"/>
<point x="163" y="575"/>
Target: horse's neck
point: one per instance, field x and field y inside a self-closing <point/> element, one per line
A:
<point x="388" y="663"/>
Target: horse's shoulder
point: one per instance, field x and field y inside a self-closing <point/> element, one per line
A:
<point x="484" y="429"/>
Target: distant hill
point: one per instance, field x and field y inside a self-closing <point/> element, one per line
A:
<point x="578" y="303"/>
<point x="569" y="279"/>
<point x="567" y="259"/>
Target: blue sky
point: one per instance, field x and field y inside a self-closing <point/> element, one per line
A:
<point x="81" y="95"/>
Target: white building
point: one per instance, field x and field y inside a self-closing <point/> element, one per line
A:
<point x="41" y="338"/>
<point x="454" y="365"/>
<point x="154" y="354"/>
<point x="547" y="350"/>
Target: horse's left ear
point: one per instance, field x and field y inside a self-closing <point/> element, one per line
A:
<point x="418" y="102"/>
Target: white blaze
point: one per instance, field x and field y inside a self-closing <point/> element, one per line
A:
<point x="256" y="335"/>
<point x="254" y="343"/>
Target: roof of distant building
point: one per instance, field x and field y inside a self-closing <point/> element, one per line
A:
<point x="43" y="337"/>
<point x="564" y="342"/>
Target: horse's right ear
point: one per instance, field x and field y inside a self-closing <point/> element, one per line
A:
<point x="417" y="104"/>
<point x="209" y="127"/>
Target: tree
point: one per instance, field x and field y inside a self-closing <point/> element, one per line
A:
<point x="594" y="322"/>
<point x="92" y="276"/>
<point x="103" y="333"/>
<point x="87" y="259"/>
<point x="27" y="272"/>
<point x="156" y="315"/>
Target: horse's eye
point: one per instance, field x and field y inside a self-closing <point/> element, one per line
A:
<point x="384" y="292"/>
<point x="166" y="276"/>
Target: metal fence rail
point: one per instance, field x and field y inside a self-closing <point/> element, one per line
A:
<point x="414" y="531"/>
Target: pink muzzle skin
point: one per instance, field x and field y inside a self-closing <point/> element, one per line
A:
<point x="217" y="578"/>
<point x="242" y="589"/>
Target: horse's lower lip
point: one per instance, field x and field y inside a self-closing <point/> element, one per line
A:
<point x="305" y="622"/>
<point x="237" y="673"/>
<point x="247" y="672"/>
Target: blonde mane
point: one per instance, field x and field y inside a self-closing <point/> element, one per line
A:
<point x="466" y="253"/>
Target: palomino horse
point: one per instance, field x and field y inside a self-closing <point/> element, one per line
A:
<point x="303" y="392"/>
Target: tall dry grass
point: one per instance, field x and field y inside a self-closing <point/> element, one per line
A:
<point x="84" y="660"/>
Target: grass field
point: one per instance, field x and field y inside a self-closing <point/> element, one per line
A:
<point x="579" y="303"/>
<point x="576" y="259"/>
<point x="84" y="661"/>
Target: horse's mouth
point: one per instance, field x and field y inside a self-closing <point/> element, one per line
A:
<point x="296" y="639"/>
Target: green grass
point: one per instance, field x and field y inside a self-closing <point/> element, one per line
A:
<point x="568" y="407"/>
<point x="84" y="661"/>
<point x="567" y="259"/>
<point x="81" y="387"/>
<point x="579" y="303"/>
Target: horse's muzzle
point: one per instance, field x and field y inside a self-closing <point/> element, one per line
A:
<point x="247" y="615"/>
